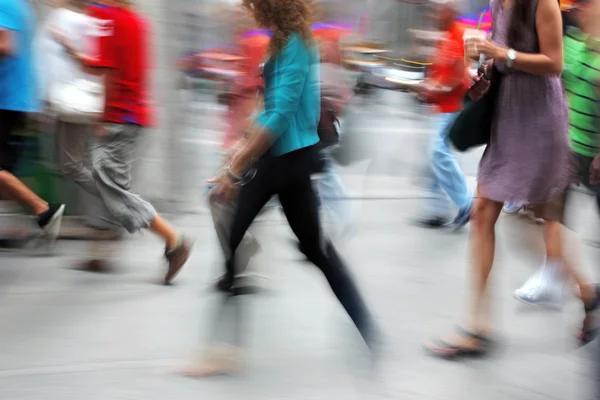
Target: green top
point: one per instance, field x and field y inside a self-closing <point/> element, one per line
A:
<point x="581" y="76"/>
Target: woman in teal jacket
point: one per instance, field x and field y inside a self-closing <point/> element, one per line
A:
<point x="280" y="150"/>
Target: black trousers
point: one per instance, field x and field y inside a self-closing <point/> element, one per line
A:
<point x="288" y="177"/>
<point x="10" y="152"/>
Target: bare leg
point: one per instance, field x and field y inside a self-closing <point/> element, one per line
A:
<point x="162" y="228"/>
<point x="19" y="192"/>
<point x="485" y="213"/>
<point x="483" y="242"/>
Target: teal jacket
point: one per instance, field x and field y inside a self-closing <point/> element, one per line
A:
<point x="292" y="97"/>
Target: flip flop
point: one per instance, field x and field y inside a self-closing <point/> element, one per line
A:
<point x="443" y="349"/>
<point x="586" y="335"/>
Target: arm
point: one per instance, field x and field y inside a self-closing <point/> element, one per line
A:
<point x="549" y="29"/>
<point x="454" y="80"/>
<point x="289" y="82"/>
<point x="7" y="28"/>
<point x="86" y="62"/>
<point x="6" y="42"/>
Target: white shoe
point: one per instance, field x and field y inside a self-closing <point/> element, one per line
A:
<point x="542" y="290"/>
<point x="512" y="208"/>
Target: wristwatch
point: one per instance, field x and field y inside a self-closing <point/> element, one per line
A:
<point x="511" y="56"/>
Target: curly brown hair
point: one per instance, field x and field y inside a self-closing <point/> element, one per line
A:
<point x="283" y="17"/>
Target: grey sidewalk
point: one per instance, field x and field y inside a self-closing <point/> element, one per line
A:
<point x="70" y="335"/>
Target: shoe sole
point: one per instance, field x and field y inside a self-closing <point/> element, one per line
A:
<point x="52" y="229"/>
<point x="543" y="304"/>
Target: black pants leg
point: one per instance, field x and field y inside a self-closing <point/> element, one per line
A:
<point x="10" y="151"/>
<point x="300" y="205"/>
<point x="251" y="200"/>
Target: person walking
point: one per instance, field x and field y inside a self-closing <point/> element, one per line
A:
<point x="445" y="87"/>
<point x="281" y="147"/>
<point x="120" y="54"/>
<point x="19" y="96"/>
<point x="527" y="160"/>
<point x="581" y="76"/>
<point x="55" y="68"/>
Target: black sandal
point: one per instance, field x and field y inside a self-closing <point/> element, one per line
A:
<point x="443" y="349"/>
<point x="588" y="334"/>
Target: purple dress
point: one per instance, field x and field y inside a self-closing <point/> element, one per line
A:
<point x="528" y="158"/>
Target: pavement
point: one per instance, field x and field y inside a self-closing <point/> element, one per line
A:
<point x="67" y="334"/>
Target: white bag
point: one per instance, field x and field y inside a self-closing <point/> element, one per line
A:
<point x="80" y="101"/>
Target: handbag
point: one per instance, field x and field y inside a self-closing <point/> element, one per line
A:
<point x="328" y="128"/>
<point x="472" y="127"/>
<point x="80" y="101"/>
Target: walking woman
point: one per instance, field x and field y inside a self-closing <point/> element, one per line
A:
<point x="281" y="148"/>
<point x="528" y="159"/>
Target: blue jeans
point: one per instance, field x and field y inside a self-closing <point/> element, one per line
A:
<point x="447" y="179"/>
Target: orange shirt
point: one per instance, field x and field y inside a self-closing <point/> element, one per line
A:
<point x="444" y="70"/>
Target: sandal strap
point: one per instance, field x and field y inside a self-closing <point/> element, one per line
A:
<point x="473" y="335"/>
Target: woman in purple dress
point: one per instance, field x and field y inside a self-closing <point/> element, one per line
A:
<point x="528" y="159"/>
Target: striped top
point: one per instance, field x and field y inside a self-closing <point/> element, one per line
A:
<point x="581" y="76"/>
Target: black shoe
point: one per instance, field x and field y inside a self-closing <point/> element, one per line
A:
<point x="225" y="282"/>
<point x="51" y="220"/>
<point x="433" y="222"/>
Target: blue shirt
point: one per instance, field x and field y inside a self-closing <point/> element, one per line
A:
<point x="17" y="71"/>
<point x="292" y="99"/>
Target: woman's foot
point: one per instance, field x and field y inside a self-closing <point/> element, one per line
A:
<point x="589" y="328"/>
<point x="543" y="288"/>
<point x="221" y="360"/>
<point x="461" y="344"/>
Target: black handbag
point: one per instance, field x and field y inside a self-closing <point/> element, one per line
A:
<point x="473" y="126"/>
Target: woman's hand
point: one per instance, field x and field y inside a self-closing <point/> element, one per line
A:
<point x="479" y="87"/>
<point x="476" y="47"/>
<point x="595" y="171"/>
<point x="224" y="189"/>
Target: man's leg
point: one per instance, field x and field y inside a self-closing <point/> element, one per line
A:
<point x="448" y="172"/>
<point x="49" y="217"/>
<point x="72" y="142"/>
<point x="437" y="207"/>
<point x="112" y="157"/>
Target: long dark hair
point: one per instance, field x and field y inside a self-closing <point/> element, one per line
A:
<point x="520" y="21"/>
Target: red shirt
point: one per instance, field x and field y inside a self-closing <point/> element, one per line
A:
<point x="122" y="46"/>
<point x="254" y="49"/>
<point x="444" y="71"/>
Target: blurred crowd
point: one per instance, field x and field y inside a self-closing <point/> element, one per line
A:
<point x="521" y="78"/>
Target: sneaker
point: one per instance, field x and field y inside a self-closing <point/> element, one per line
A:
<point x="462" y="218"/>
<point x="511" y="208"/>
<point x="542" y="290"/>
<point x="50" y="221"/>
<point x="177" y="258"/>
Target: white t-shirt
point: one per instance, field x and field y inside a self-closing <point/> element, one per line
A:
<point x="55" y="64"/>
